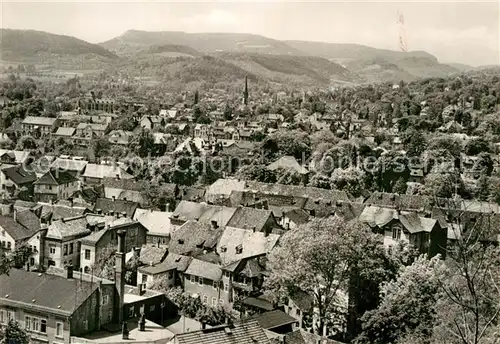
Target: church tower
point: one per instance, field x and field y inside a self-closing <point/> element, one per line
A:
<point x="245" y="93"/>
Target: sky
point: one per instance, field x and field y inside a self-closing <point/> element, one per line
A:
<point x="454" y="31"/>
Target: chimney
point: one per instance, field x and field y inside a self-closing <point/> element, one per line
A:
<point x="203" y="325"/>
<point x="141" y="289"/>
<point x="120" y="272"/>
<point x="118" y="176"/>
<point x="69" y="272"/>
<point x="15" y="215"/>
<point x="265" y="204"/>
<point x="43" y="234"/>
<point x="114" y="198"/>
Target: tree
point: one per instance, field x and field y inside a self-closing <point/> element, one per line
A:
<point x="483" y="189"/>
<point x="476" y="146"/>
<point x="104" y="265"/>
<point x="143" y="143"/>
<point x="21" y="255"/>
<point x="26" y="143"/>
<point x="351" y="180"/>
<point x="318" y="258"/>
<point x="469" y="309"/>
<point x="5" y="263"/>
<point x="408" y="305"/>
<point x="14" y="333"/>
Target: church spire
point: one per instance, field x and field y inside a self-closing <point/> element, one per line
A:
<point x="245" y="93"/>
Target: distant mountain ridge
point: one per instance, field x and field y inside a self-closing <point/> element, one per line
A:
<point x="20" y="45"/>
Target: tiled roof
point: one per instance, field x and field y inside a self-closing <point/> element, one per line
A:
<point x="248" y="332"/>
<point x="57" y="212"/>
<point x="172" y="262"/>
<point x="302" y="300"/>
<point x="100" y="171"/>
<point x="156" y="222"/>
<point x="250" y="218"/>
<point x="92" y="126"/>
<point x="298" y="191"/>
<point x="15" y="230"/>
<point x="56" y="177"/>
<point x="251" y="244"/>
<point x="39" y="120"/>
<point x="29" y="220"/>
<point x="377" y="216"/>
<point x="224" y="187"/>
<point x="117" y="206"/>
<point x="19" y="156"/>
<point x="69" y="164"/>
<point x="204" y="269"/>
<point x="186" y="210"/>
<point x="65" y="131"/>
<point x="300" y="336"/>
<point x="45" y="292"/>
<point x="273" y="319"/>
<point x="151" y="254"/>
<point x="193" y="236"/>
<point x="65" y="228"/>
<point x="124" y="184"/>
<point x="94" y="238"/>
<point x="19" y="175"/>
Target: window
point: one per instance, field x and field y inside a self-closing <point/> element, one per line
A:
<point x="200" y="280"/>
<point x="216" y="284"/>
<point x="43" y="326"/>
<point x="226" y="287"/>
<point x="35" y="324"/>
<point x="214" y="301"/>
<point x="59" y="329"/>
<point x="221" y="301"/>
<point x="8" y="245"/>
<point x="396" y="233"/>
<point x="144" y="278"/>
<point x="52" y="249"/>
<point x="11" y="316"/>
<point x="105" y="299"/>
<point x="32" y="261"/>
<point x="71" y="248"/>
<point x="27" y="323"/>
<point x="193" y="279"/>
<point x="298" y="312"/>
<point x="65" y="250"/>
<point x="239" y="249"/>
<point x="227" y="273"/>
<point x="87" y="254"/>
<point x="86" y="325"/>
<point x="131" y="311"/>
<point x="2" y="317"/>
<point x="205" y="299"/>
<point x="152" y="308"/>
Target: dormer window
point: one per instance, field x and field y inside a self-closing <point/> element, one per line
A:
<point x="180" y="241"/>
<point x="223" y="249"/>
<point x="239" y="249"/>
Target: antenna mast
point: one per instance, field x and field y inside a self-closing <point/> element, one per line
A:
<point x="403" y="45"/>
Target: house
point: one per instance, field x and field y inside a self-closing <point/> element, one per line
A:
<point x="194" y="237"/>
<point x="426" y="234"/>
<point x="52" y="212"/>
<point x="170" y="271"/>
<point x="15" y="157"/>
<point x="65" y="133"/>
<point x="95" y="173"/>
<point x="288" y="163"/>
<point x="117" y="206"/>
<point x="120" y="137"/>
<point x="203" y="131"/>
<point x="13" y="233"/>
<point x="55" y="185"/>
<point x="157" y="223"/>
<point x="222" y="188"/>
<point x="50" y="308"/>
<point x="218" y="216"/>
<point x="293" y="218"/>
<point x="87" y="132"/>
<point x="241" y="332"/>
<point x="204" y="279"/>
<point x="93" y="243"/>
<point x="125" y="189"/>
<point x="38" y="126"/>
<point x="236" y="244"/>
<point x="17" y="179"/>
<point x="76" y="165"/>
<point x="62" y="244"/>
<point x="151" y="122"/>
<point x="300" y="306"/>
<point x="258" y="220"/>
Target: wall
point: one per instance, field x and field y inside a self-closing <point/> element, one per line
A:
<point x="156" y="238"/>
<point x="206" y="289"/>
<point x="86" y="318"/>
<point x="106" y="311"/>
<point x="57" y="256"/>
<point x="34" y="241"/>
<point x="87" y="263"/>
<point x="5" y="239"/>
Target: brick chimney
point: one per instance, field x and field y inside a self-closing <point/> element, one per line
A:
<point x="43" y="235"/>
<point x="120" y="273"/>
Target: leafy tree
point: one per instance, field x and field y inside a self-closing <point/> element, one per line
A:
<point x="483" y="190"/>
<point x="445" y="184"/>
<point x="318" y="258"/>
<point x="5" y="262"/>
<point x="477" y="146"/>
<point x="351" y="180"/>
<point x="14" y="333"/>
<point x="416" y="144"/>
<point x="21" y="255"/>
<point x="400" y="187"/>
<point x="408" y="305"/>
<point x="288" y="177"/>
<point x="259" y="173"/>
<point x="143" y="143"/>
<point x="26" y="143"/>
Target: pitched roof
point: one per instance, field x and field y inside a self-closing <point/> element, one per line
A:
<point x="19" y="156"/>
<point x="204" y="269"/>
<point x="151" y="254"/>
<point x="94" y="237"/>
<point x="173" y="261"/>
<point x="19" y="175"/>
<point x="186" y="210"/>
<point x="29" y="220"/>
<point x="123" y="184"/>
<point x="250" y="218"/>
<point x="92" y="126"/>
<point x="193" y="236"/>
<point x="56" y="177"/>
<point x="15" y="230"/>
<point x="248" y="332"/>
<point x="298" y="191"/>
<point x="65" y="131"/>
<point x="273" y="319"/>
<point x="69" y="164"/>
<point x="117" y="206"/>
<point x="224" y="187"/>
<point x="251" y="243"/>
<point x="45" y="292"/>
<point x="39" y="120"/>
<point x="377" y="216"/>
<point x="300" y="336"/>
<point x="288" y="163"/>
<point x="59" y="211"/>
<point x="156" y="222"/>
<point x="99" y="171"/>
<point x="66" y="228"/>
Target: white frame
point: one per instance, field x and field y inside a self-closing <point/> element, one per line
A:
<point x="62" y="330"/>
